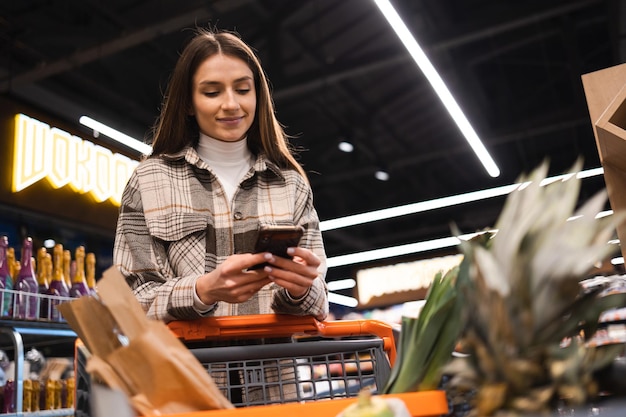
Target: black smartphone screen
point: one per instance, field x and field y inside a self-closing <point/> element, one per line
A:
<point x="276" y="240"/>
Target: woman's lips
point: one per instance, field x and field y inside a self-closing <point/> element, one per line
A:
<point x="230" y="120"/>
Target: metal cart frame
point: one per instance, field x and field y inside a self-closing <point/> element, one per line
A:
<point x="289" y="362"/>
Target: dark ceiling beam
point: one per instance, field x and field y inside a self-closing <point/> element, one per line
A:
<point x="98" y="52"/>
<point x="516" y="136"/>
<point x="363" y="171"/>
<point x="515" y="24"/>
<point x="321" y="62"/>
<point x="366" y="68"/>
<point x="319" y="82"/>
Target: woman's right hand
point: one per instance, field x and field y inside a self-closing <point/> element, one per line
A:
<point x="232" y="281"/>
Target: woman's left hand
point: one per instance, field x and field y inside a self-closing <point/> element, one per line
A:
<point x="295" y="275"/>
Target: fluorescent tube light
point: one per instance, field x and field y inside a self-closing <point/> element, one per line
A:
<point x="445" y="242"/>
<point x="437" y="203"/>
<point x="116" y="135"/>
<point x="341" y="284"/>
<point x="439" y="86"/>
<point x="375" y="254"/>
<point x="413" y="208"/>
<point x="342" y="300"/>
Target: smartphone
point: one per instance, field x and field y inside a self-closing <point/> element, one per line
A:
<point x="276" y="240"/>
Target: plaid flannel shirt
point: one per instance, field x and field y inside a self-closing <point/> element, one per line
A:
<point x="176" y="224"/>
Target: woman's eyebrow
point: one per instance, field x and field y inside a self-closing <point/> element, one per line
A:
<point x="238" y="80"/>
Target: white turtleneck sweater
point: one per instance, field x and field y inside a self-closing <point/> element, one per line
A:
<point x="230" y="161"/>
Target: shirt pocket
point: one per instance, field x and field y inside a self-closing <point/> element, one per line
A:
<point x="173" y="227"/>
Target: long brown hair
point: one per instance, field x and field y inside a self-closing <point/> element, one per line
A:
<point x="176" y="128"/>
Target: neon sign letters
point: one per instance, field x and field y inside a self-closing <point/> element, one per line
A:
<point x="63" y="159"/>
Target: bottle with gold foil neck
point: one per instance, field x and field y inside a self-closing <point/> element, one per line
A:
<point x="6" y="280"/>
<point x="26" y="285"/>
<point x="44" y="278"/>
<point x="79" y="281"/>
<point x="67" y="267"/>
<point x="90" y="268"/>
<point x="42" y="281"/>
<point x="58" y="287"/>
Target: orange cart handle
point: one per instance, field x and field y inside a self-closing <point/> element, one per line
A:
<point x="280" y="325"/>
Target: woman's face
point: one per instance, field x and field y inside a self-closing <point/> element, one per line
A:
<point x="224" y="98"/>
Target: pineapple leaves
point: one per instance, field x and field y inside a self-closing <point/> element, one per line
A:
<point x="427" y="342"/>
<point x="523" y="302"/>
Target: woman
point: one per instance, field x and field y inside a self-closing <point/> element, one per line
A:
<point x="220" y="168"/>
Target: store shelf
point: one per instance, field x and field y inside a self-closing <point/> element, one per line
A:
<point x="60" y="412"/>
<point x="55" y="336"/>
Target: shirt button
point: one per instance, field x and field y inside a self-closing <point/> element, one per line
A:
<point x="238" y="215"/>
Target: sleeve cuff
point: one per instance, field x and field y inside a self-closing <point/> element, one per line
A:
<point x="299" y="299"/>
<point x="200" y="307"/>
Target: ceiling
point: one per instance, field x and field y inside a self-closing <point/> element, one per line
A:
<point x="338" y="71"/>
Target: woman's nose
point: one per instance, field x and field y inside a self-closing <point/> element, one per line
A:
<point x="230" y="101"/>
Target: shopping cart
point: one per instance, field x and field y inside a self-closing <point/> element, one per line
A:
<point x="288" y="362"/>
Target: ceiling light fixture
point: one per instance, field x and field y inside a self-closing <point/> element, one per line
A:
<point x="381" y="175"/>
<point x="446" y="242"/>
<point x="342" y="300"/>
<point x="345" y="146"/>
<point x="376" y="254"/>
<point x="439" y="86"/>
<point x="341" y="284"/>
<point x="418" y="247"/>
<point x="116" y="135"/>
<point x="437" y="203"/>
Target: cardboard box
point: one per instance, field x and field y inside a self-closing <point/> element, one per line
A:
<point x="605" y="91"/>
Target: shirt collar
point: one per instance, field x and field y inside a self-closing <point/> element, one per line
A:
<point x="189" y="154"/>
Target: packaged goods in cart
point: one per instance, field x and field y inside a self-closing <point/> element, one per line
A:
<point x="140" y="357"/>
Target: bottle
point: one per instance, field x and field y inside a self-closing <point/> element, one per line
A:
<point x="79" y="281"/>
<point x="57" y="287"/>
<point x="71" y="392"/>
<point x="91" y="272"/>
<point x="72" y="271"/>
<point x="26" y="285"/>
<point x="9" y="397"/>
<point x="14" y="268"/>
<point x="27" y="395"/>
<point x="44" y="263"/>
<point x="11" y="263"/>
<point x="41" y="273"/>
<point x="6" y="280"/>
<point x="67" y="267"/>
<point x="36" y="392"/>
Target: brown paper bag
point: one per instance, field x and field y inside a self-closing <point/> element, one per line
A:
<point x="138" y="356"/>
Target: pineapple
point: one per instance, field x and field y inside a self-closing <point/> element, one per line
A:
<point x="521" y="298"/>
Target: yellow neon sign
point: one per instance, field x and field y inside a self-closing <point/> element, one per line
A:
<point x="63" y="159"/>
